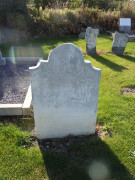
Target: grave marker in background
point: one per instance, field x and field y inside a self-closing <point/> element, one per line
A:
<point x="125" y="25"/>
<point x="91" y="40"/>
<point x="120" y="41"/>
<point x="65" y="93"/>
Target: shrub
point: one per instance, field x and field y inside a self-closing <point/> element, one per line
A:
<point x="58" y="22"/>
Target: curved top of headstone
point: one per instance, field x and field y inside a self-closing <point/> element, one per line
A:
<point x="65" y="53"/>
<point x="63" y="56"/>
<point x="120" y="39"/>
<point x="65" y="78"/>
<point x="90" y="34"/>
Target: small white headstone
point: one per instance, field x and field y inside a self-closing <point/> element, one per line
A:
<point x="65" y="93"/>
<point x="125" y="24"/>
<point x="82" y="35"/>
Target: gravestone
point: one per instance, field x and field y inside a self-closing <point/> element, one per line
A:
<point x="2" y="60"/>
<point x="91" y="40"/>
<point x="119" y="43"/>
<point x="125" y="25"/>
<point x="82" y="35"/>
<point x="64" y="93"/>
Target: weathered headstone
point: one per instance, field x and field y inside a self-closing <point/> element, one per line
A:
<point x="119" y="43"/>
<point x="82" y="35"/>
<point x="125" y="25"/>
<point x="65" y="93"/>
<point x="2" y="60"/>
<point x="91" y="40"/>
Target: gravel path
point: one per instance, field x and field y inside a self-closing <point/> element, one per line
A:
<point x="14" y="83"/>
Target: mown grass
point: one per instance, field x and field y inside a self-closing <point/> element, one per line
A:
<point x="116" y="114"/>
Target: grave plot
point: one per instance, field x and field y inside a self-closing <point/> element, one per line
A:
<point x="14" y="80"/>
<point x="15" y="89"/>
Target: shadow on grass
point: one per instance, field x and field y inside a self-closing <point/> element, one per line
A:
<point x="75" y="163"/>
<point x="127" y="57"/>
<point x="109" y="63"/>
<point x="70" y="158"/>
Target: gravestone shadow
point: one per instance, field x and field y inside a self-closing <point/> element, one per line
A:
<point x="74" y="161"/>
<point x="127" y="57"/>
<point x="108" y="63"/>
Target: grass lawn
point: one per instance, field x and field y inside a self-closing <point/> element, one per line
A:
<point x="20" y="159"/>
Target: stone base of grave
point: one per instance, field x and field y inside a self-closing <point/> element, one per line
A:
<point x="118" y="50"/>
<point x="78" y="123"/>
<point x="91" y="52"/>
<point x="2" y="62"/>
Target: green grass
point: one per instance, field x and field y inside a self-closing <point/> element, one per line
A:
<point x="116" y="113"/>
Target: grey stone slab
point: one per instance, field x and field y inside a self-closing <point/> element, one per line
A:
<point x="119" y="43"/>
<point x="82" y="35"/>
<point x="91" y="40"/>
<point x="131" y="36"/>
<point x="65" y="93"/>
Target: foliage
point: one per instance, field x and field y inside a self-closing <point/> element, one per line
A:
<point x="12" y="9"/>
<point x="129" y="11"/>
<point x="59" y="22"/>
<point x="62" y="17"/>
<point x="8" y="6"/>
<point x="101" y="4"/>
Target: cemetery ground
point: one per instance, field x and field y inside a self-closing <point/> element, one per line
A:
<point x="113" y="145"/>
